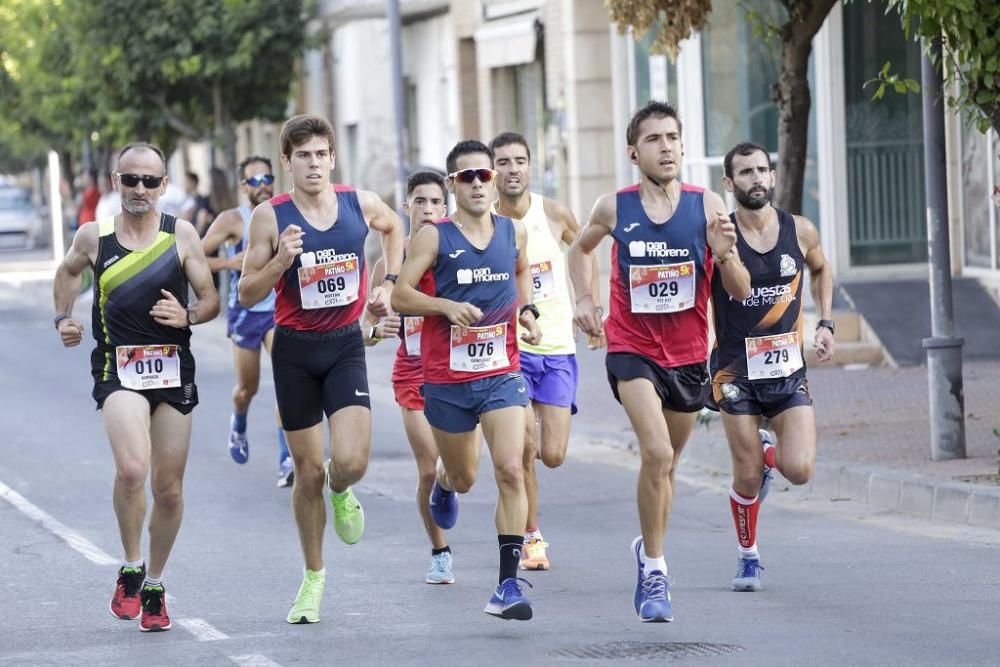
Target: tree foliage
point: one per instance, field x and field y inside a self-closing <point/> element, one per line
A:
<point x="970" y="34"/>
<point x="680" y="19"/>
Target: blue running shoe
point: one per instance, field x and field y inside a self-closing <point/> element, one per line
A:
<point x="747" y="575"/>
<point x="444" y="507"/>
<point x="765" y="483"/>
<point x="508" y="602"/>
<point x="239" y="448"/>
<point x="286" y="472"/>
<point x="652" y="591"/>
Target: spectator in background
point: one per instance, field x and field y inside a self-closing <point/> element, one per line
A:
<point x="87" y="211"/>
<point x="110" y="203"/>
<point x="220" y="198"/>
<point x="195" y="202"/>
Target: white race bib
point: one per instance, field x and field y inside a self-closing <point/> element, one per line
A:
<point x="543" y="281"/>
<point x="148" y="366"/>
<point x="770" y="357"/>
<point x="480" y="349"/>
<point x="327" y="285"/>
<point x="662" y="288"/>
<point x="414" y="326"/>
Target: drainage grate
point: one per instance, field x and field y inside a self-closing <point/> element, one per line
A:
<point x="645" y="651"/>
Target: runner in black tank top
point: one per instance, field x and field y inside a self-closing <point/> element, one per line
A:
<point x="758" y="362"/>
<point x="143" y="369"/>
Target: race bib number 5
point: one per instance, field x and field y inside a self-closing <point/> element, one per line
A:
<point x="148" y="366"/>
<point x="543" y="281"/>
<point x="479" y="349"/>
<point x="662" y="288"/>
<point x="770" y="357"/>
<point x="332" y="284"/>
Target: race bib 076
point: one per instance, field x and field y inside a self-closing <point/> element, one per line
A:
<point x="479" y="348"/>
<point x="332" y="284"/>
<point x="148" y="366"/>
<point x="662" y="288"/>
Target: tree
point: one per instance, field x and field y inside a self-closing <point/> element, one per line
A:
<point x="677" y="19"/>
<point x="969" y="31"/>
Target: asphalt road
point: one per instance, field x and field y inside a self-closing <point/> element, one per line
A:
<point x="842" y="585"/>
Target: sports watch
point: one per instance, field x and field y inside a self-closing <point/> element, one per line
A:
<point x="531" y="308"/>
<point x="826" y="323"/>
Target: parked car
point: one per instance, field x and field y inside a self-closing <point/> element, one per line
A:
<point x="19" y="220"/>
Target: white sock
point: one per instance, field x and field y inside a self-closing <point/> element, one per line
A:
<point x="153" y="581"/>
<point x="749" y="553"/>
<point x="533" y="535"/>
<point x="650" y="564"/>
<point x="321" y="572"/>
<point x="133" y="563"/>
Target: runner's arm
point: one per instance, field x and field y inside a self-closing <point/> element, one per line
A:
<point x="383" y="219"/>
<point x="226" y="228"/>
<point x="721" y="235"/>
<point x="406" y="298"/>
<point x="369" y="320"/>
<point x="198" y="274"/>
<point x="582" y="260"/>
<point x="69" y="276"/>
<point x="261" y="266"/>
<point x="570" y="232"/>
<point x="820" y="275"/>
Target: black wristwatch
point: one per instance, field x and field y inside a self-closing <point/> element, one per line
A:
<point x="826" y="323"/>
<point x="372" y="337"/>
<point x="392" y="277"/>
<point x="58" y="319"/>
<point x="531" y="308"/>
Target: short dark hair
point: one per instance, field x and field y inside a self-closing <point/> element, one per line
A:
<point x="299" y="129"/>
<point x="508" y="138"/>
<point x="241" y="169"/>
<point x="743" y="148"/>
<point x="191" y="176"/>
<point x="144" y="145"/>
<point x="466" y="147"/>
<point x="419" y="178"/>
<point x="653" y="109"/>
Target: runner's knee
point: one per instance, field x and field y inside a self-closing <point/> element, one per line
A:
<point x="132" y="474"/>
<point x="462" y="481"/>
<point x="169" y="497"/>
<point x="508" y="474"/>
<point x="658" y="459"/>
<point x="797" y="472"/>
<point x="553" y="457"/>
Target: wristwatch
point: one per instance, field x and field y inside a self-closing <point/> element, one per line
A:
<point x="392" y="277"/>
<point x="58" y="319"/>
<point x="372" y="337"/>
<point x="531" y="308"/>
<point x="826" y="323"/>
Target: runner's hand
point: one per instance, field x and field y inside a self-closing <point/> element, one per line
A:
<point x="290" y="245"/>
<point x="587" y="317"/>
<point x="389" y="326"/>
<point x="71" y="332"/>
<point x="169" y="311"/>
<point x="378" y="304"/>
<point x="533" y="335"/>
<point x="721" y="234"/>
<point x="462" y="314"/>
<point x="824" y="343"/>
<point x="597" y="342"/>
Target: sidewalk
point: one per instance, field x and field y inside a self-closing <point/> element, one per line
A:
<point x="874" y="442"/>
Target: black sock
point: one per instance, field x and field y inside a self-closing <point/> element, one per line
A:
<point x="510" y="555"/>
<point x="443" y="550"/>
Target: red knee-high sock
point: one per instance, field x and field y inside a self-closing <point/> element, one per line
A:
<point x="745" y="517"/>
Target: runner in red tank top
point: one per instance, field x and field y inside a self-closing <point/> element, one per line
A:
<point x="665" y="237"/>
<point x="308" y="246"/>
<point x="426" y="199"/>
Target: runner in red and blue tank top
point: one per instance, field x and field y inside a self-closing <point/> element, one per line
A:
<point x="426" y="196"/>
<point x="308" y="245"/>
<point x="758" y="364"/>
<point x="480" y="290"/>
<point x="669" y="239"/>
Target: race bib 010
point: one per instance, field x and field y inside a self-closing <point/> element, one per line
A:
<point x="770" y="357"/>
<point x="479" y="349"/>
<point x="662" y="288"/>
<point x="148" y="366"/>
<point x="332" y="284"/>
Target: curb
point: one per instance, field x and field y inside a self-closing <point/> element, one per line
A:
<point x="879" y="488"/>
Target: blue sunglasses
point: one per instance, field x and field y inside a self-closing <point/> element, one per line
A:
<point x="259" y="180"/>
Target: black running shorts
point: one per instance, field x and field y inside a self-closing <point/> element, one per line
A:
<point x="681" y="388"/>
<point x="317" y="373"/>
<point x="740" y="396"/>
<point x="183" y="398"/>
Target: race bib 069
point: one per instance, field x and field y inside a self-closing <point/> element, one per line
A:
<point x="479" y="349"/>
<point x="148" y="366"/>
<point x="332" y="284"/>
<point x="662" y="288"/>
<point x="770" y="357"/>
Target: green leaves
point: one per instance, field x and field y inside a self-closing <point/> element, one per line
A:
<point x="886" y="80"/>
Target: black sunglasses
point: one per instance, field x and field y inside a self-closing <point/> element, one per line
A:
<point x="470" y="175"/>
<point x="259" y="180"/>
<point x="133" y="180"/>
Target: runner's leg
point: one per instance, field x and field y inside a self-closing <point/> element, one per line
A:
<point x="170" y="435"/>
<point x="126" y="420"/>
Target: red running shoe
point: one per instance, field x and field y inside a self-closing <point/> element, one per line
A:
<point x="154" y="610"/>
<point x="125" y="602"/>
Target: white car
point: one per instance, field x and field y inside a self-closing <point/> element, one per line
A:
<point x="19" y="220"/>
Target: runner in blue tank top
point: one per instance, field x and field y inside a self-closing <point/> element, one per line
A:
<point x="248" y="328"/>
<point x="758" y="364"/>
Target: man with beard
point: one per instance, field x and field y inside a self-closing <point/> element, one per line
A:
<point x="757" y="364"/>
<point x="143" y="369"/>
<point x="669" y="240"/>
<point x="248" y="328"/>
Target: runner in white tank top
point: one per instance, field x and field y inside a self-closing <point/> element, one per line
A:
<point x="549" y="368"/>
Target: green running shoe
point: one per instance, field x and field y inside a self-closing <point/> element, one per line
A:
<point x="348" y="516"/>
<point x="305" y="609"/>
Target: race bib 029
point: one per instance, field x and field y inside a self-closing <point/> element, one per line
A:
<point x="771" y="357"/>
<point x="662" y="288"/>
<point x="479" y="348"/>
<point x="332" y="284"/>
<point x="148" y="366"/>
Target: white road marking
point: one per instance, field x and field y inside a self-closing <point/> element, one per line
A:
<point x="201" y="629"/>
<point x="254" y="660"/>
<point x="75" y="540"/>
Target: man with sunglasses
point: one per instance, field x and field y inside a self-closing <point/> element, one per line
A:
<point x="478" y="290"/>
<point x="248" y="328"/>
<point x="143" y="369"/>
<point x="309" y="246"/>
<point x="550" y="369"/>
<point x="669" y="240"/>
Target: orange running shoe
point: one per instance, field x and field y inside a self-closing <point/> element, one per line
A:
<point x="125" y="601"/>
<point x="533" y="555"/>
<point x="154" y="609"/>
